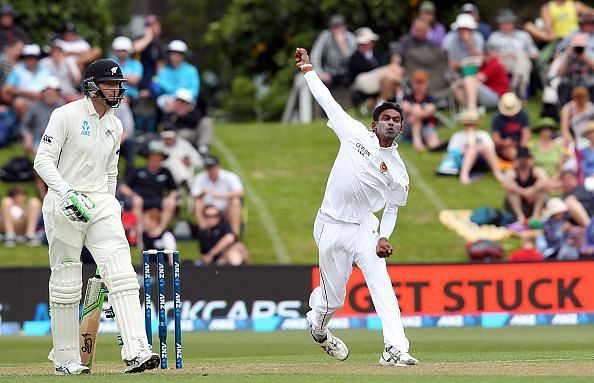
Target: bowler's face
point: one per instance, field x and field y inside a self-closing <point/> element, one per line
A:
<point x="388" y="125"/>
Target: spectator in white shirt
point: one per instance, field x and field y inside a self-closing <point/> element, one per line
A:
<point x="76" y="47"/>
<point x="183" y="160"/>
<point x="64" y="70"/>
<point x="220" y="188"/>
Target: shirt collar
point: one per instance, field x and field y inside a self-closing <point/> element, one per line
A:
<point x="376" y="142"/>
<point x="91" y="109"/>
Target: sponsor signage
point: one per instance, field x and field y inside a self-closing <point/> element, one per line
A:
<point x="453" y="290"/>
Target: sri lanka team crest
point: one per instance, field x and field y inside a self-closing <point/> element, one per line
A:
<point x="85" y="129"/>
<point x="383" y="167"/>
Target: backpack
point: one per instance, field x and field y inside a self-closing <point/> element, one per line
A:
<point x="18" y="169"/>
<point x="486" y="215"/>
<point x="484" y="250"/>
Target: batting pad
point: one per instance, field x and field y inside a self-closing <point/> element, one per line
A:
<point x="65" y="288"/>
<point x="130" y="320"/>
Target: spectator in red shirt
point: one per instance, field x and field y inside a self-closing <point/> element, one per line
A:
<point x="486" y="86"/>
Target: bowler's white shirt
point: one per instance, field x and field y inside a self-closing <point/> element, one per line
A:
<point x="365" y="177"/>
<point x="80" y="151"/>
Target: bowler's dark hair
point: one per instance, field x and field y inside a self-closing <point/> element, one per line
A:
<point x="386" y="106"/>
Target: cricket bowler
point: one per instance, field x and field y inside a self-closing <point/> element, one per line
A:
<point x="368" y="175"/>
<point x="78" y="160"/>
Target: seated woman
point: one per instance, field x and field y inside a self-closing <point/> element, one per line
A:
<point x="548" y="152"/>
<point x="475" y="147"/>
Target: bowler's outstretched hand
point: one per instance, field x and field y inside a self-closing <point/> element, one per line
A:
<point x="301" y="57"/>
<point x="383" y="249"/>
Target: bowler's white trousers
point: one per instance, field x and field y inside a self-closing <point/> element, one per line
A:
<point x="340" y="244"/>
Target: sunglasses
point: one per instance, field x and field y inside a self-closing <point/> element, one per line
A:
<point x="211" y="215"/>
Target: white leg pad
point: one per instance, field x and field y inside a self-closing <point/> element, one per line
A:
<point x="123" y="287"/>
<point x="65" y="290"/>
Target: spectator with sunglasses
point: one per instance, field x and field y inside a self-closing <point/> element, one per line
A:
<point x="218" y="245"/>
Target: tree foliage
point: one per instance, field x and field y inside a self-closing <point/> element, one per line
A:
<point x="94" y="20"/>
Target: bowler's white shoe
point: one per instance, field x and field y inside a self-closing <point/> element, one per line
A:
<point x="72" y="367"/>
<point x="143" y="361"/>
<point x="333" y="346"/>
<point x="393" y="357"/>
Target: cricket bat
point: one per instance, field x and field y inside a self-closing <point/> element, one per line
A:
<point x="90" y="318"/>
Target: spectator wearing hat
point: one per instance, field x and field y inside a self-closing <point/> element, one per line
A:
<point x="220" y="188"/>
<point x="463" y="41"/>
<point x="36" y="119"/>
<point x="576" y="68"/>
<point x="510" y="127"/>
<point x="20" y="217"/>
<point x="548" y="152"/>
<point x="152" y="187"/>
<point x="483" y="28"/>
<point x="369" y="78"/>
<point x="563" y="239"/>
<point x="65" y="70"/>
<point x="183" y="159"/>
<point x="420" y="109"/>
<point x="190" y="122"/>
<point x="486" y="86"/>
<point x="525" y="188"/>
<point x="515" y="48"/>
<point x="131" y="69"/>
<point x="331" y="52"/>
<point x="76" y="48"/>
<point x="151" y="51"/>
<point x="176" y="74"/>
<point x="9" y="29"/>
<point x="11" y="53"/>
<point x="475" y="146"/>
<point x="25" y="81"/>
<point x="218" y="244"/>
<point x="435" y="30"/>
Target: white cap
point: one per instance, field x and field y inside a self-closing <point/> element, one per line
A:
<point x="32" y="50"/>
<point x="51" y="83"/>
<point x="464" y="20"/>
<point x="555" y="206"/>
<point x="122" y="43"/>
<point x="177" y="46"/>
<point x="365" y="35"/>
<point x="184" y="95"/>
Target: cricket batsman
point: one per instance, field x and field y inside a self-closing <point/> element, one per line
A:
<point x="78" y="160"/>
<point x="368" y="175"/>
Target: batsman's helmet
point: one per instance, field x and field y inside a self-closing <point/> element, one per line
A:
<point x="103" y="71"/>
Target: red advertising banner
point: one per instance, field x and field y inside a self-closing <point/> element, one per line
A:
<point x="548" y="287"/>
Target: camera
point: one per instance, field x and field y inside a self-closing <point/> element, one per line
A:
<point x="578" y="50"/>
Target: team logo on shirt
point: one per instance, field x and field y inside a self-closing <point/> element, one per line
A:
<point x="47" y="139"/>
<point x="362" y="150"/>
<point x="86" y="129"/>
<point x="109" y="133"/>
<point x="383" y="167"/>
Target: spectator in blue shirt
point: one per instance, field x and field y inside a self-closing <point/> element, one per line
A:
<point x="132" y="69"/>
<point x="25" y="81"/>
<point x="176" y="74"/>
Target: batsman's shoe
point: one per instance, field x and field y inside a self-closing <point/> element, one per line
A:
<point x="143" y="361"/>
<point x="72" y="367"/>
<point x="394" y="357"/>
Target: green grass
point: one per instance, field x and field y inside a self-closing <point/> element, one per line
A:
<point x="287" y="167"/>
<point x="446" y="355"/>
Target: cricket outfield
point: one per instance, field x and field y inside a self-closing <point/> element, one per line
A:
<point x="503" y="355"/>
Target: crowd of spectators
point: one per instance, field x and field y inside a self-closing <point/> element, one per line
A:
<point x="164" y="119"/>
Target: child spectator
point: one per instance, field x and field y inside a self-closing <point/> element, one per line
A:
<point x="420" y="109"/>
<point x="218" y="244"/>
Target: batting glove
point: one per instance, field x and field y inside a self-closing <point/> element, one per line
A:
<point x="76" y="206"/>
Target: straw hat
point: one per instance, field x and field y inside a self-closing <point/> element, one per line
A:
<point x="365" y="35"/>
<point x="464" y="20"/>
<point x="469" y="117"/>
<point x="509" y="104"/>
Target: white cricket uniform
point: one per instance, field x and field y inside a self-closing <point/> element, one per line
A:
<point x="364" y="179"/>
<point x="79" y="151"/>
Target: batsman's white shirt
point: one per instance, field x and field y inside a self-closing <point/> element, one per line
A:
<point x="364" y="179"/>
<point x="79" y="151"/>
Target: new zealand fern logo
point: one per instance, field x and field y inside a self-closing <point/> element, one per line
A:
<point x="85" y="129"/>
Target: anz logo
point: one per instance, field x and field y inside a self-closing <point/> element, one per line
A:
<point x="85" y="129"/>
